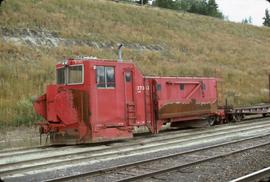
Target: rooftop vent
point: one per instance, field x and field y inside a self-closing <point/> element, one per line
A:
<point x="120" y="53"/>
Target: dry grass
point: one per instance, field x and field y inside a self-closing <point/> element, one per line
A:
<point x="194" y="45"/>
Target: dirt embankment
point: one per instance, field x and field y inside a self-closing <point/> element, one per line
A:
<point x="42" y="38"/>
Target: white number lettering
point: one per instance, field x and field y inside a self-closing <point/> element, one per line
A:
<point x="140" y="88"/>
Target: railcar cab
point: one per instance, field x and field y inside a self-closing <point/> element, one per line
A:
<point x="93" y="100"/>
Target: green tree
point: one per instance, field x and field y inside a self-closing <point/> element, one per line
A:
<point x="199" y="7"/>
<point x="212" y="9"/>
<point x="185" y="5"/>
<point x="203" y="7"/>
<point x="266" y="18"/>
<point x="142" y="1"/>
<point x="169" y="4"/>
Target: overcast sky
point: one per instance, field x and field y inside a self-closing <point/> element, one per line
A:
<point x="237" y="10"/>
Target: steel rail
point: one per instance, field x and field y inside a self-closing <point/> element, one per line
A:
<point x="255" y="176"/>
<point x="20" y="149"/>
<point x="41" y="149"/>
<point x="114" y="168"/>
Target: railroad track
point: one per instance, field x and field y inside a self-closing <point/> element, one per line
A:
<point x="20" y="167"/>
<point x="138" y="135"/>
<point x="148" y="168"/>
<point x="43" y="155"/>
<point x="164" y="134"/>
<point x="16" y="144"/>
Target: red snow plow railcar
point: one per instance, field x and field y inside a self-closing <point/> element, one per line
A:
<point x="99" y="100"/>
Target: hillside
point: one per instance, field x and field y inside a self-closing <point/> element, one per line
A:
<point x="35" y="34"/>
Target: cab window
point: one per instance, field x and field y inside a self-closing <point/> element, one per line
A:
<point x="105" y="77"/>
<point x="60" y="75"/>
<point x="70" y="75"/>
<point x="75" y="74"/>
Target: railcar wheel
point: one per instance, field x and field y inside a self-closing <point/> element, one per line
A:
<point x="238" y="117"/>
<point x="211" y="120"/>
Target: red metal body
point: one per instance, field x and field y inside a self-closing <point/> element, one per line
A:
<point x="101" y="100"/>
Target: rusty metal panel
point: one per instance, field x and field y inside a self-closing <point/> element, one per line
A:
<point x="183" y="97"/>
<point x="172" y="110"/>
<point x="81" y="104"/>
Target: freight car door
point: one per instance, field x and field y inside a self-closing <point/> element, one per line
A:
<point x="129" y="98"/>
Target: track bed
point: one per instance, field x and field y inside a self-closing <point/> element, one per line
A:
<point x="72" y="162"/>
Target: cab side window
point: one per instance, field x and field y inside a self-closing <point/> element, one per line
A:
<point x="110" y="77"/>
<point x="105" y="77"/>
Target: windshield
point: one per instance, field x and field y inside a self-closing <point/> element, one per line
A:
<point x="70" y="75"/>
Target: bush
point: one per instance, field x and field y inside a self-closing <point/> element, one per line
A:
<point x="25" y="112"/>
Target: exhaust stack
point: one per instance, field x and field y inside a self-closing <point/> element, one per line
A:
<point x="120" y="53"/>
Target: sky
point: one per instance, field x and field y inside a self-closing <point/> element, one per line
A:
<point x="237" y="10"/>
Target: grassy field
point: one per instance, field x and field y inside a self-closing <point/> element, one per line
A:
<point x="192" y="45"/>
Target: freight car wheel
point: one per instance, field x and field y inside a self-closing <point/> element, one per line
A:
<point x="238" y="117"/>
<point x="212" y="120"/>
